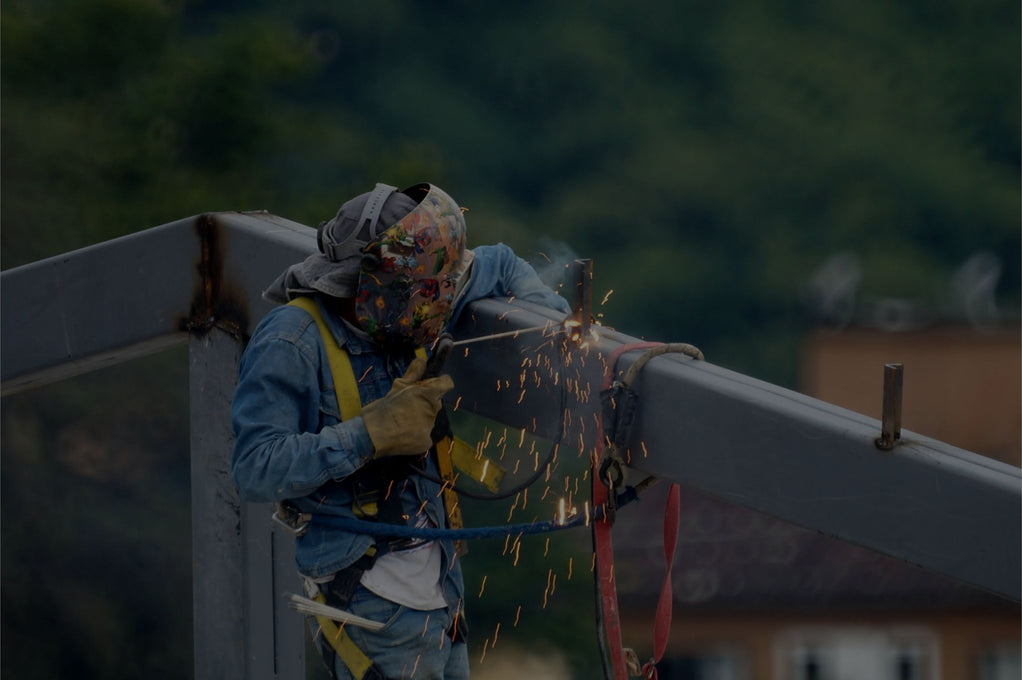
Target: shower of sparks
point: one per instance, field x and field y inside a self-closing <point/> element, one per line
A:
<point x="551" y="586"/>
<point x="482" y="586"/>
<point x="607" y="297"/>
<point x="513" y="506"/>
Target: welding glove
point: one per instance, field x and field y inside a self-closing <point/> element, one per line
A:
<point x="400" y="423"/>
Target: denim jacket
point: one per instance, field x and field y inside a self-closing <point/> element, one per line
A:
<point x="290" y="442"/>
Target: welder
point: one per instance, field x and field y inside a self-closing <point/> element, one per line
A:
<point x="334" y="415"/>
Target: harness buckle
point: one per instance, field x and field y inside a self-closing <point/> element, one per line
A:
<point x="612" y="475"/>
<point x="291" y="518"/>
<point x="620" y="406"/>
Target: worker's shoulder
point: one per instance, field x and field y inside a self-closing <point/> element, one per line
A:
<point x="493" y="250"/>
<point x="287" y="323"/>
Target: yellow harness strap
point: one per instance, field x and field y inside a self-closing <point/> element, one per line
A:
<point x="446" y="468"/>
<point x="345" y="385"/>
<point x="477" y="466"/>
<point x="354" y="658"/>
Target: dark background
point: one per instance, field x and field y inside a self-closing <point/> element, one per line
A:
<point x="711" y="158"/>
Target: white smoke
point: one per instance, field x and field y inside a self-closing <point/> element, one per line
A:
<point x="553" y="262"/>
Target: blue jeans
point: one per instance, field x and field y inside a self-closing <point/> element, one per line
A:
<point x="412" y="644"/>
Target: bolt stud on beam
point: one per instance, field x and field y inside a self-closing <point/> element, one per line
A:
<point x="890" y="425"/>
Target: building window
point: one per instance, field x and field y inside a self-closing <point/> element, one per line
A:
<point x="1001" y="663"/>
<point x="721" y="664"/>
<point x="836" y="653"/>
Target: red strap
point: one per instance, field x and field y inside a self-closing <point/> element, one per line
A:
<point x="605" y="579"/>
<point x="601" y="534"/>
<point x="662" y="629"/>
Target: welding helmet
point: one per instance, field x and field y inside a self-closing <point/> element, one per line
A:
<point x="411" y="270"/>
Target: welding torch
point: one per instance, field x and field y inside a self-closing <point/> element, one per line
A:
<point x="441" y="350"/>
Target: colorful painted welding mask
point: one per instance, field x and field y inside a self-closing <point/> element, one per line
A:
<point x="411" y="273"/>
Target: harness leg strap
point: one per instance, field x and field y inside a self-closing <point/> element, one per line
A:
<point x="358" y="664"/>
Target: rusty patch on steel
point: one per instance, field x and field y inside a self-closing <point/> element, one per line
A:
<point x="214" y="303"/>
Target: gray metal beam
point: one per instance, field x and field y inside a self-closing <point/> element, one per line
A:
<point x="762" y="446"/>
<point x="140" y="293"/>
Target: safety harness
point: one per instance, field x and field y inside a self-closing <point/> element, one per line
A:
<point x="373" y="502"/>
<point x="609" y="493"/>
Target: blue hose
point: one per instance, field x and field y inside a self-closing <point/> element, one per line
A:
<point x="371" y="528"/>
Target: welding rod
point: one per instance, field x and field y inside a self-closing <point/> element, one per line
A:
<point x="444" y="345"/>
<point x="507" y="334"/>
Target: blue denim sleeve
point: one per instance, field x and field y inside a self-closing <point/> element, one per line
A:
<point x="288" y="441"/>
<point x="498" y="271"/>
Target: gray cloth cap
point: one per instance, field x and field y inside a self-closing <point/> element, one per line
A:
<point x="317" y="273"/>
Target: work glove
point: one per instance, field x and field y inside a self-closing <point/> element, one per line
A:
<point x="400" y="423"/>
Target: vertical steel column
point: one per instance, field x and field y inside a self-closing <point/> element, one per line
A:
<point x="241" y="565"/>
<point x="217" y="548"/>
<point x="274" y="636"/>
